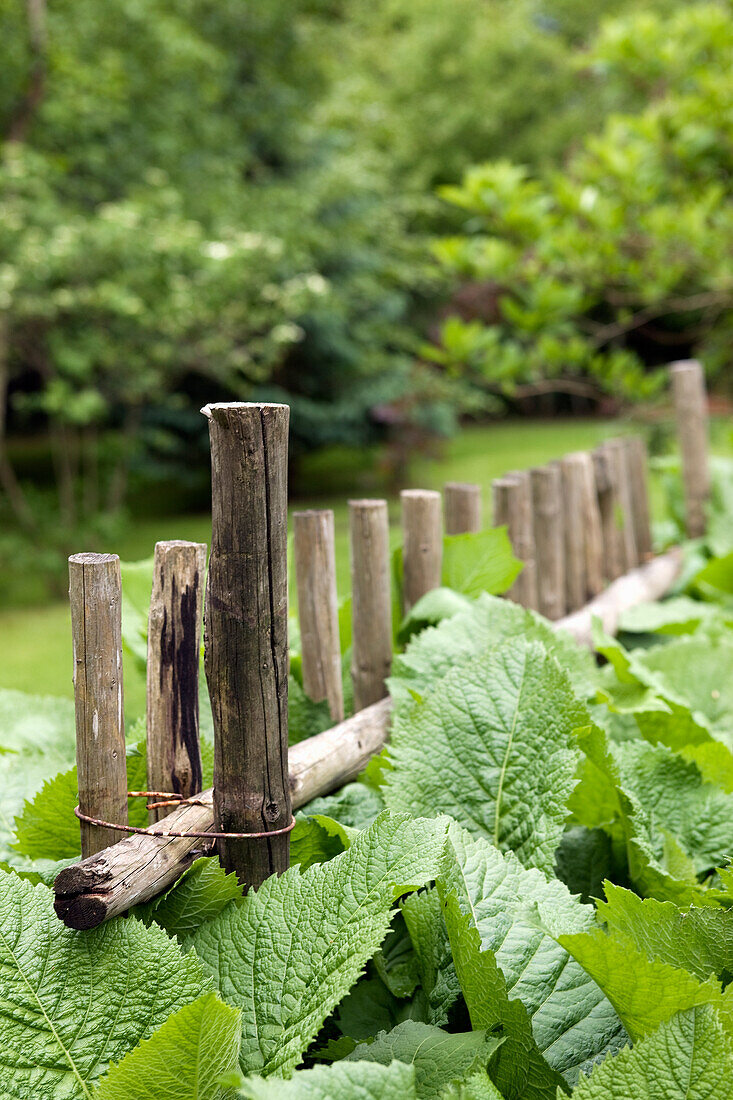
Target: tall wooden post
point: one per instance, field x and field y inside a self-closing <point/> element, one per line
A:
<point x="246" y="634"/>
<point x="573" y="496"/>
<point x="690" y="402"/>
<point x="96" y="624"/>
<point x="512" y="500"/>
<point x="315" y="576"/>
<point x="628" y="553"/>
<point x="462" y="508"/>
<point x="174" y="648"/>
<point x="422" y="545"/>
<point x="608" y="508"/>
<point x="637" y="464"/>
<point x="591" y="525"/>
<point x="549" y="538"/>
<point x="371" y="647"/>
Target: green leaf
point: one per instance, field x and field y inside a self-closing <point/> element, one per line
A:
<point x="72" y="1003"/>
<point x="184" y="1059"/>
<point x="395" y="960"/>
<point x="477" y="1087"/>
<point x="423" y="915"/>
<point x="305" y="718"/>
<point x="341" y="1081"/>
<point x="430" y="609"/>
<point x="355" y="805"/>
<point x="696" y="939"/>
<point x="489" y="622"/>
<point x="687" y="1058"/>
<point x="519" y="1070"/>
<point x="482" y="562"/>
<point x="679" y="615"/>
<point x="438" y="1057"/>
<point x="294" y="948"/>
<point x="502" y="757"/>
<point x="137" y="586"/>
<point x="515" y="910"/>
<point x="370" y="1007"/>
<point x="314" y="840"/>
<point x="584" y="860"/>
<point x="698" y="673"/>
<point x="643" y="990"/>
<point x="198" y="896"/>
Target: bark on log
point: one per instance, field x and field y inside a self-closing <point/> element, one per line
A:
<point x="422" y="545"/>
<point x="315" y="577"/>
<point x="246" y="634"/>
<point x="95" y="598"/>
<point x="142" y="866"/>
<point x="688" y="387"/>
<point x="462" y="508"/>
<point x="174" y="647"/>
<point x="549" y="538"/>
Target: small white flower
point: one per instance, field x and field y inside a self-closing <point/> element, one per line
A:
<point x="217" y="250"/>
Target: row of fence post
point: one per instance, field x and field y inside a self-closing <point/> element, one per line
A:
<point x="576" y="524"/>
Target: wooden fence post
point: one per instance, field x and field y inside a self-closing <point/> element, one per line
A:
<point x="549" y="538"/>
<point x="174" y="647"/>
<point x="608" y="508"/>
<point x="637" y="464"/>
<point x="422" y="545"/>
<point x="512" y="501"/>
<point x="315" y="576"/>
<point x="690" y="401"/>
<point x="591" y="527"/>
<point x="462" y="508"/>
<point x="371" y="596"/>
<point x="96" y="624"/>
<point x="628" y="554"/>
<point x="573" y="497"/>
<point x="246" y="634"/>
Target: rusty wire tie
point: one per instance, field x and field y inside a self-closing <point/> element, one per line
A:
<point x="177" y="800"/>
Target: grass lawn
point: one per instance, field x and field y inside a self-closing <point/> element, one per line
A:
<point x="35" y="643"/>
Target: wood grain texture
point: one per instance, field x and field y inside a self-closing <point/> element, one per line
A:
<point x="591" y="527"/>
<point x="422" y="543"/>
<point x="96" y="625"/>
<point x="690" y="402"/>
<point x="637" y="462"/>
<point x="371" y="647"/>
<point x="463" y="508"/>
<point x="628" y="553"/>
<point x="315" y="577"/>
<point x="573" y="499"/>
<point x="512" y="507"/>
<point x="143" y="866"/>
<point x="174" y="647"/>
<point x="608" y="508"/>
<point x="549" y="538"/>
<point x="246" y="634"/>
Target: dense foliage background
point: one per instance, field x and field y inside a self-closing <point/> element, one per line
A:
<point x="207" y="199"/>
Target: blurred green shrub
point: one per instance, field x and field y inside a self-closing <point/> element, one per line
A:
<point x="621" y="259"/>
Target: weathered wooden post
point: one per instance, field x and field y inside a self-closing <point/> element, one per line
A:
<point x="96" y="624"/>
<point x="637" y="464"/>
<point x="572" y="490"/>
<point x="246" y="635"/>
<point x="462" y="508"/>
<point x="422" y="545"/>
<point x="512" y="500"/>
<point x="549" y="539"/>
<point x="591" y="526"/>
<point x="608" y="508"/>
<point x="315" y="576"/>
<point x="628" y="554"/>
<point x="371" y="647"/>
<point x="690" y="401"/>
<point x="174" y="647"/>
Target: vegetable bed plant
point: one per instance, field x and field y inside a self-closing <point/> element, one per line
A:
<point x="527" y="895"/>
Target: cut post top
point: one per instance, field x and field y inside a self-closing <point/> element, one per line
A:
<point x="227" y="406"/>
<point x="419" y="494"/>
<point x="89" y="558"/>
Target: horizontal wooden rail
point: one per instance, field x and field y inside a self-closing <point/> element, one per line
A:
<point x="138" y="868"/>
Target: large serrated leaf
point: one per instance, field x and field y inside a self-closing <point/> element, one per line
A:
<point x="294" y="948"/>
<point x="489" y="622"/>
<point x="438" y="1056"/>
<point x="493" y="747"/>
<point x="72" y="1003"/>
<point x="687" y="1058"/>
<point x="342" y="1081"/>
<point x="185" y="1059"/>
<point x="573" y="1023"/>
